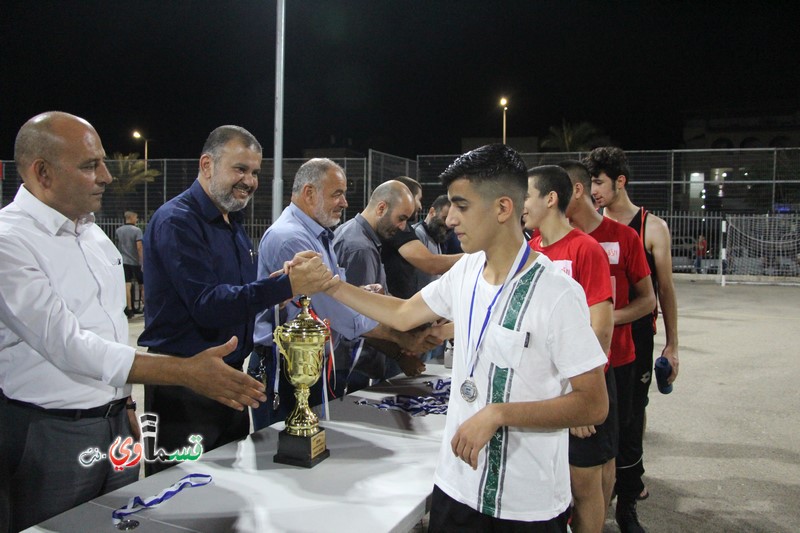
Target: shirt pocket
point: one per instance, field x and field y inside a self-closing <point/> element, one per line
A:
<point x="504" y="346"/>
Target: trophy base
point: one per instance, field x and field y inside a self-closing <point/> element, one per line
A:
<point x="301" y="451"/>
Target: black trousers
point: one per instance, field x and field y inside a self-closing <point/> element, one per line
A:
<point x="40" y="471"/>
<point x="449" y="515"/>
<point x="630" y="460"/>
<point x="183" y="413"/>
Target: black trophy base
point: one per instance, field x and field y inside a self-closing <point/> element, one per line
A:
<point x="301" y="451"/>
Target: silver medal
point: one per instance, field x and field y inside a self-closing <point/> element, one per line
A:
<point x="469" y="391"/>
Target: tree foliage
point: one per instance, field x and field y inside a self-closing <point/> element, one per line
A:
<point x="129" y="173"/>
<point x="571" y="137"/>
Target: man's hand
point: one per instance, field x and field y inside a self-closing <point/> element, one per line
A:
<point x="473" y="435"/>
<point x="418" y="341"/>
<point x="582" y="432"/>
<point x="309" y="275"/>
<point x="411" y="366"/>
<point x="442" y="330"/>
<point x="207" y="374"/>
<point x="375" y="288"/>
<point x="671" y="353"/>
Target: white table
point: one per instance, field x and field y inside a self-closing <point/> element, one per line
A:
<point x="378" y="478"/>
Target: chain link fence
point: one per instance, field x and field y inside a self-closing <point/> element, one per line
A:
<point x="693" y="190"/>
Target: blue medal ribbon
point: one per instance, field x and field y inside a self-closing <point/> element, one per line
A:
<point x="433" y="404"/>
<point x="474" y="360"/>
<point x="137" y="504"/>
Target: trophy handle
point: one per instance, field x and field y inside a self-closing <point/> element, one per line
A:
<point x="277" y="338"/>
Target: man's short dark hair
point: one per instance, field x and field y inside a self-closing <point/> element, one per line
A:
<point x="553" y="178"/>
<point x="441" y="201"/>
<point x="221" y="136"/>
<point x="578" y="173"/>
<point x="412" y="184"/>
<point x="495" y="168"/>
<point x="608" y="159"/>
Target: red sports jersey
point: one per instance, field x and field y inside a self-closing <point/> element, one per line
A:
<point x="583" y="259"/>
<point x="628" y="266"/>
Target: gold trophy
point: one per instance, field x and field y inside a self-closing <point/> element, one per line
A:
<point x="302" y="343"/>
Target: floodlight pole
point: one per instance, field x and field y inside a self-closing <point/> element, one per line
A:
<point x="277" y="181"/>
<point x="504" y="103"/>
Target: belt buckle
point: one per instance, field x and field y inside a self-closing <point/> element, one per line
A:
<point x="108" y="409"/>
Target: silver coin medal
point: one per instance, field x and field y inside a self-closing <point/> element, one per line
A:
<point x="469" y="389"/>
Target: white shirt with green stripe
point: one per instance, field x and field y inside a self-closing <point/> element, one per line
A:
<point x="537" y="338"/>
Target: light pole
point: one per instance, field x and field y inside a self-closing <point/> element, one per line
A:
<point x="504" y="103"/>
<point x="137" y="135"/>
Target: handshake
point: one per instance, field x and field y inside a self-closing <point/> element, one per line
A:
<point x="308" y="274"/>
<point x="406" y="347"/>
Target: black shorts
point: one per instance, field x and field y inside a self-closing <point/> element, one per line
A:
<point x="601" y="447"/>
<point x="133" y="271"/>
<point x="625" y="378"/>
<point x="448" y="514"/>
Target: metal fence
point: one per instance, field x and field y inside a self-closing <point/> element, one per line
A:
<point x="744" y="181"/>
<point x="693" y="190"/>
<point x="176" y="175"/>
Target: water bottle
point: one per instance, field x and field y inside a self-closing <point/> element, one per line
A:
<point x="448" y="354"/>
<point x="663" y="371"/>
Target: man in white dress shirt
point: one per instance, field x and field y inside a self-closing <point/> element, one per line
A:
<point x="65" y="363"/>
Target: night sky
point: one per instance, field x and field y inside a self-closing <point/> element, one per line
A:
<point x="401" y="76"/>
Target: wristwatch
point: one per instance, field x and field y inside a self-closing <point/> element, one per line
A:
<point x="131" y="405"/>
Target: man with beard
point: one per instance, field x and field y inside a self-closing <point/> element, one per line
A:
<point x="403" y="255"/>
<point x="357" y="244"/>
<point x="318" y="199"/>
<point x="432" y="232"/>
<point x="202" y="287"/>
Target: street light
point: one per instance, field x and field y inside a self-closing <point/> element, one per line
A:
<point x="137" y="135"/>
<point x="504" y="103"/>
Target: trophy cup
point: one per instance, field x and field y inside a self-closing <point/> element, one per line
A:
<point x="302" y="343"/>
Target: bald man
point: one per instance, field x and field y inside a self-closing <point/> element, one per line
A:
<point x="357" y="244"/>
<point x="65" y="363"/>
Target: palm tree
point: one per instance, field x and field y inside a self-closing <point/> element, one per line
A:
<point x="129" y="172"/>
<point x="571" y="138"/>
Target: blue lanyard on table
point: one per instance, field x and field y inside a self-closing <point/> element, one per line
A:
<point x="136" y="503"/>
<point x="434" y="403"/>
<point x="526" y="251"/>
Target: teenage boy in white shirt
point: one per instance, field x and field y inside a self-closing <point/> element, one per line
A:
<point x="527" y="364"/>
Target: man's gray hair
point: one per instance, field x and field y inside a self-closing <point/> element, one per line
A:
<point x="221" y="136"/>
<point x="312" y="172"/>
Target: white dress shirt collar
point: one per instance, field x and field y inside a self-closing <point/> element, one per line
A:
<point x="51" y="221"/>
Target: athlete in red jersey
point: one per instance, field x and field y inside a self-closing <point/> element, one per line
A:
<point x="611" y="174"/>
<point x="628" y="269"/>
<point x="582" y="258"/>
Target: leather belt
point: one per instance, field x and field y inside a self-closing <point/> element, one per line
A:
<point x="104" y="411"/>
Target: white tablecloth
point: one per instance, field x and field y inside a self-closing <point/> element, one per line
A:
<point x="378" y="478"/>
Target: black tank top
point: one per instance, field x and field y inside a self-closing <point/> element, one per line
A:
<point x="647" y="322"/>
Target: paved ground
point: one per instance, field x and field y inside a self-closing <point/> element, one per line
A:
<point x="722" y="452"/>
